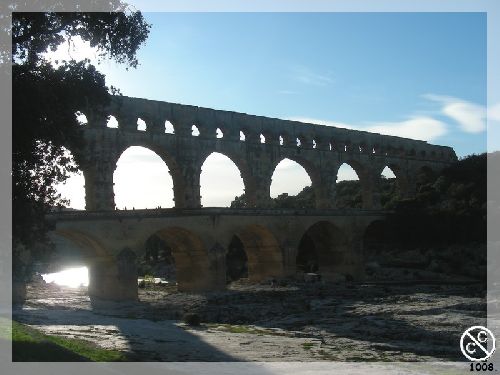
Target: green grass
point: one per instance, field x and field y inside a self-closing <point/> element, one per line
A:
<point x="30" y="345"/>
<point x="232" y="328"/>
<point x="307" y="345"/>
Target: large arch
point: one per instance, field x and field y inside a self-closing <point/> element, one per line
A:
<point x="325" y="248"/>
<point x="221" y="180"/>
<point x="349" y="191"/>
<point x="193" y="271"/>
<point x="156" y="172"/>
<point x="73" y="189"/>
<point x="110" y="277"/>
<point x="292" y="176"/>
<point x="393" y="185"/>
<point x="265" y="258"/>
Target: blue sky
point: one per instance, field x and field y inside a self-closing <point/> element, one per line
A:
<point x="420" y="75"/>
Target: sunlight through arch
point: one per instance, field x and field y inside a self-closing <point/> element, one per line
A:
<point x="289" y="177"/>
<point x="346" y="173"/>
<point x="388" y="173"/>
<point x="195" y="132"/>
<point x="169" y="128"/>
<point x="220" y="181"/>
<point x="142" y="180"/>
<point x="112" y="122"/>
<point x="73" y="189"/>
<point x="81" y="118"/>
<point x="141" y="125"/>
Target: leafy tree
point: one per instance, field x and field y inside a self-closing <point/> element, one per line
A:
<point x="45" y="102"/>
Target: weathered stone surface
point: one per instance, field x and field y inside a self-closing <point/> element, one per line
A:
<point x="252" y="322"/>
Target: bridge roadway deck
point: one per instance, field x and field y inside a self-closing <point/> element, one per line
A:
<point x="207" y="211"/>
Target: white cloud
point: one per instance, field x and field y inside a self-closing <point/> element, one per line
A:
<point x="470" y="116"/>
<point x="421" y="128"/>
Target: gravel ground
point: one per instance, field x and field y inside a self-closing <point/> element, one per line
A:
<point x="290" y="322"/>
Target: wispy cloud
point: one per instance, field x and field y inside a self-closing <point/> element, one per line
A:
<point x="287" y="92"/>
<point x="309" y="77"/>
<point x="470" y="116"/>
<point x="494" y="112"/>
<point x="422" y="127"/>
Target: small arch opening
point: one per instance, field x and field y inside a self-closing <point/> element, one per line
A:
<point x="195" y="132"/>
<point x="219" y="133"/>
<point x="314" y="143"/>
<point x="281" y="140"/>
<point x="298" y="142"/>
<point x="141" y="125"/>
<point x="262" y="138"/>
<point x="81" y="118"/>
<point x="242" y="136"/>
<point x="169" y="127"/>
<point x="112" y="122"/>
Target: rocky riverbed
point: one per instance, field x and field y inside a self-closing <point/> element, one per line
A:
<point x="287" y="321"/>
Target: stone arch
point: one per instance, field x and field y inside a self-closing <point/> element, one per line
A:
<point x="219" y="133"/>
<point x="74" y="188"/>
<point x="169" y="127"/>
<point x="345" y="187"/>
<point x="112" y="122"/>
<point x="401" y="180"/>
<point x="142" y="125"/>
<point x="366" y="181"/>
<point x="310" y="169"/>
<point x="110" y="277"/>
<point x="265" y="257"/>
<point x="91" y="248"/>
<point x="168" y="160"/>
<point x="81" y="118"/>
<point x="325" y="248"/>
<point x="195" y="131"/>
<point x="240" y="165"/>
<point x="191" y="259"/>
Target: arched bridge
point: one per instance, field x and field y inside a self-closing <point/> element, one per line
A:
<point x="199" y="237"/>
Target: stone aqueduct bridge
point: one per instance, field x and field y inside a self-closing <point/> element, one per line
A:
<point x="199" y="236"/>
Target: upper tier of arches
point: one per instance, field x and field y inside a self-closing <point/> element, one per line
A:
<point x="169" y="119"/>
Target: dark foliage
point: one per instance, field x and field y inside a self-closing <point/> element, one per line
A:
<point x="447" y="209"/>
<point x="46" y="100"/>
